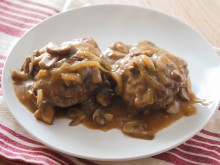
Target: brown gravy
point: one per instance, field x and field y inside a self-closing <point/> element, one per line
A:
<point x="156" y="120"/>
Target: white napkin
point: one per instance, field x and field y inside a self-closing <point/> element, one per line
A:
<point x="71" y="4"/>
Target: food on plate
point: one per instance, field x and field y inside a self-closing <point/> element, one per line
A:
<point x="60" y="75"/>
<point x="150" y="77"/>
<point x="138" y="89"/>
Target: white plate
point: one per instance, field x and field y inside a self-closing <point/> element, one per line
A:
<point x="106" y="24"/>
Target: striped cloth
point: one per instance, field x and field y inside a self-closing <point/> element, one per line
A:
<point x="18" y="147"/>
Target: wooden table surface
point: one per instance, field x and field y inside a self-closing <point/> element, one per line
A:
<point x="202" y="15"/>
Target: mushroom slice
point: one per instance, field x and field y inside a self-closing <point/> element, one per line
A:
<point x="147" y="52"/>
<point x="116" y="55"/>
<point x="31" y="65"/>
<point x="148" y="63"/>
<point x="47" y="113"/>
<point x="184" y="94"/>
<point x="173" y="107"/>
<point x="84" y="72"/>
<point x="33" y="98"/>
<point x="96" y="75"/>
<point x="48" y="61"/>
<point x="149" y="96"/>
<point x="56" y="49"/>
<point x="102" y="118"/>
<point x="25" y="66"/>
<point x="130" y="126"/>
<point x="177" y="76"/>
<point x="121" y="47"/>
<point x="77" y="120"/>
<point x="137" y="128"/>
<point x="104" y="97"/>
<point x="38" y="114"/>
<point x="77" y="116"/>
<point x="41" y="74"/>
<point x="18" y="76"/>
<point x="89" y="41"/>
<point x="40" y="96"/>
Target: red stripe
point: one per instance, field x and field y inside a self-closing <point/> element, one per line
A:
<point x="36" y="156"/>
<point x="19" y="18"/>
<point x="200" y="151"/>
<point x="195" y="158"/>
<point x="26" y="157"/>
<point x="20" y="145"/>
<point x="32" y="153"/>
<point x="22" y="25"/>
<point x="0" y="78"/>
<point x="10" y="31"/>
<point x="210" y="141"/>
<point x="2" y="57"/>
<point x="41" y="5"/>
<point x="25" y="138"/>
<point x="211" y="133"/>
<point x="168" y="157"/>
<point x="27" y="8"/>
<point x="14" y="161"/>
<point x="1" y="65"/>
<point x="22" y="13"/>
<point x="86" y="161"/>
<point x="1" y="93"/>
<point x="207" y="146"/>
<point x="12" y="132"/>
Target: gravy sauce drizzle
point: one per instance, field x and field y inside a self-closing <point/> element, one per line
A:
<point x="155" y="121"/>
